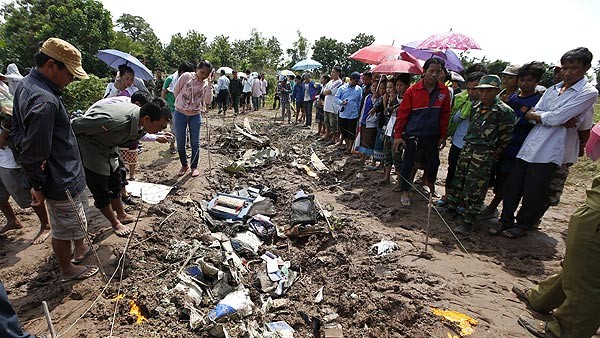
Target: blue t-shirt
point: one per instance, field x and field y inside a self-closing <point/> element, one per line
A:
<point x="520" y="105"/>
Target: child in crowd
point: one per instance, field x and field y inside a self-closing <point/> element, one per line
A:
<point x="320" y="117"/>
<point x="394" y="92"/>
<point x="298" y="97"/>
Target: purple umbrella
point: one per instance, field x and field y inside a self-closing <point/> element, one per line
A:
<point x="452" y="60"/>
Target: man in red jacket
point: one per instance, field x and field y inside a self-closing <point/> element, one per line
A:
<point x="422" y="123"/>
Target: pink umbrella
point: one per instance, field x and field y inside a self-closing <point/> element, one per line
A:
<point x="376" y="54"/>
<point x="592" y="147"/>
<point x="397" y="66"/>
<point x="449" y="40"/>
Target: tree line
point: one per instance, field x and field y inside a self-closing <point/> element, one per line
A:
<point x="90" y="27"/>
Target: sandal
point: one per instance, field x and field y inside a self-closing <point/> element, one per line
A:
<point x="514" y="232"/>
<point x="405" y="201"/>
<point x="496" y="229"/>
<point x="183" y="170"/>
<point x="195" y="172"/>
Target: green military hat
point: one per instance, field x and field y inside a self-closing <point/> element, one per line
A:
<point x="489" y="81"/>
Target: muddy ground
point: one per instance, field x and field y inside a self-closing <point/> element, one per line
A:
<point x="364" y="294"/>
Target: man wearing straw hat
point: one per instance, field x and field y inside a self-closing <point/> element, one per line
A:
<point x="48" y="151"/>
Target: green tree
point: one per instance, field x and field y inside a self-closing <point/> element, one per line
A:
<point x="192" y="47"/>
<point x="126" y="44"/>
<point x="358" y="42"/>
<point x="329" y="52"/>
<point x="83" y="23"/>
<point x="142" y="35"/>
<point x="220" y="53"/>
<point x="299" y="51"/>
<point x="257" y="53"/>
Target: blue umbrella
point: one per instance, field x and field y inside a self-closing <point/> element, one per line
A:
<point x="307" y="64"/>
<point x="452" y="60"/>
<point x="114" y="58"/>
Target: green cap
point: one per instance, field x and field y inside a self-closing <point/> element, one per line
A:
<point x="489" y="81"/>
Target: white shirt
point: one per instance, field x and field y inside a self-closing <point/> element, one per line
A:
<point x="7" y="159"/>
<point x="263" y="86"/>
<point x="332" y="85"/>
<point x="546" y="142"/>
<point x="306" y="91"/>
<point x="248" y="85"/>
<point x="222" y="83"/>
<point x="586" y="122"/>
<point x="389" y="128"/>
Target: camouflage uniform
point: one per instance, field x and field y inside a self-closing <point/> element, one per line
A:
<point x="490" y="131"/>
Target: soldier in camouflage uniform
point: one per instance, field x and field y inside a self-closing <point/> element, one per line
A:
<point x="490" y="129"/>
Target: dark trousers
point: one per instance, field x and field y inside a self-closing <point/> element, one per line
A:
<point x="453" y="156"/>
<point x="255" y="102"/>
<point x="235" y="99"/>
<point x="531" y="183"/>
<point x="103" y="188"/>
<point x="222" y="99"/>
<point x="429" y="146"/>
<point x="9" y="323"/>
<point x="308" y="111"/>
<point x="276" y="102"/>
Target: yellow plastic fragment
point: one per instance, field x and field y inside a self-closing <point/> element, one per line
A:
<point x="465" y="323"/>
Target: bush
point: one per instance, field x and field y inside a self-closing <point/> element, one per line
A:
<point x="82" y="94"/>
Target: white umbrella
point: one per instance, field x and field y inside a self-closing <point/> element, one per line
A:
<point x="227" y="70"/>
<point x="242" y="74"/>
<point x="286" y="72"/>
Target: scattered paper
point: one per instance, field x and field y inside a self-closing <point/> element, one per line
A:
<point x="151" y="193"/>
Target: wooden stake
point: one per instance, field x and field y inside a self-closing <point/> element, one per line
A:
<point x="429" y="205"/>
<point x="49" y="320"/>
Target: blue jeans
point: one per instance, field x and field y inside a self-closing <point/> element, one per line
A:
<point x="9" y="323"/>
<point x="193" y="123"/>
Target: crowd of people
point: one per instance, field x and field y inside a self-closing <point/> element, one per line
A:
<point x="507" y="133"/>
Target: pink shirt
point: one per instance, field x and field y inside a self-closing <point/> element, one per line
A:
<point x="192" y="95"/>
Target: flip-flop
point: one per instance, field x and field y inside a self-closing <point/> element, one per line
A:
<point x="86" y="273"/>
<point x="405" y="201"/>
<point x="87" y="253"/>
<point x="182" y="171"/>
<point x="514" y="232"/>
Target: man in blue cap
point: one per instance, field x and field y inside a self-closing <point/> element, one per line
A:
<point x="349" y="97"/>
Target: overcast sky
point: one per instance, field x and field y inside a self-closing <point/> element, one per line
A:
<point x="517" y="31"/>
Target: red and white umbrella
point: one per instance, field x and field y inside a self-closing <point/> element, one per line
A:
<point x="449" y="40"/>
<point x="376" y="54"/>
<point x="405" y="64"/>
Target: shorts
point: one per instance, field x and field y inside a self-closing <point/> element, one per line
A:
<point x="331" y="121"/>
<point x="348" y="128"/>
<point x="11" y="186"/>
<point x="103" y="188"/>
<point x="246" y="97"/>
<point x="319" y="115"/>
<point x="65" y="223"/>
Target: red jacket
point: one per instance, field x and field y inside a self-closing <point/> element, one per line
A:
<point x="422" y="114"/>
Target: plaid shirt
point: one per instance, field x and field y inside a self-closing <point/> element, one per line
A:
<point x="284" y="91"/>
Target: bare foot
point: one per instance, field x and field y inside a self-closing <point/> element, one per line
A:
<point x="121" y="230"/>
<point x="9" y="227"/>
<point x="42" y="235"/>
<point x="126" y="219"/>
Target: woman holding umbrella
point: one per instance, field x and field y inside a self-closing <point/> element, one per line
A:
<point x="123" y="85"/>
<point x="193" y="94"/>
